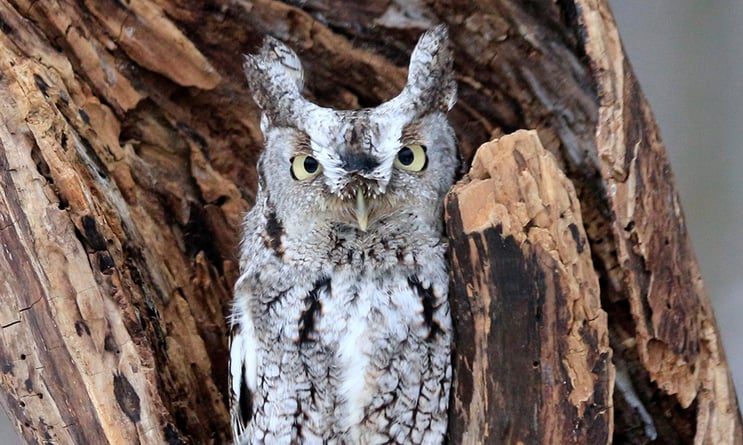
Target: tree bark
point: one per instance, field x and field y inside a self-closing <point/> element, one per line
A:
<point x="533" y="361"/>
<point x="128" y="141"/>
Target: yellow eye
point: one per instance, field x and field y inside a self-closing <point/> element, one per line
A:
<point x="412" y="158"/>
<point x="304" y="167"/>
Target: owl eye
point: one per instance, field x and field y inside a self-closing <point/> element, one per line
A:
<point x="412" y="158"/>
<point x="304" y="167"/>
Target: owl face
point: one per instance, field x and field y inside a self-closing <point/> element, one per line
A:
<point x="359" y="168"/>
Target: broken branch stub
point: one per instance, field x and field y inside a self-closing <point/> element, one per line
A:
<point x="533" y="362"/>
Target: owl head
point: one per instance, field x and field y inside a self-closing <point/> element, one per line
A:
<point x="356" y="168"/>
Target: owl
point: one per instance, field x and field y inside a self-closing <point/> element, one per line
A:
<point x="340" y="327"/>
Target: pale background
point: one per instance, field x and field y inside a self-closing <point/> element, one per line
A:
<point x="688" y="55"/>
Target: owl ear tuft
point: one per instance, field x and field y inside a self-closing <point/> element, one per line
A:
<point x="275" y="77"/>
<point x="431" y="71"/>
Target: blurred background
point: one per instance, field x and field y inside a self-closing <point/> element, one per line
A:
<point x="688" y="56"/>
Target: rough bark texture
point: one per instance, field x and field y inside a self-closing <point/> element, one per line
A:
<point x="127" y="149"/>
<point x="533" y="362"/>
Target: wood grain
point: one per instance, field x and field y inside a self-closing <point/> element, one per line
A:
<point x="128" y="141"/>
<point x="536" y="367"/>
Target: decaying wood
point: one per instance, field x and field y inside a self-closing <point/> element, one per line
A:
<point x="533" y="362"/>
<point x="127" y="148"/>
<point x="672" y="328"/>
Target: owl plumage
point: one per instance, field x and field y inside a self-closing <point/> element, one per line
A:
<point x="341" y="331"/>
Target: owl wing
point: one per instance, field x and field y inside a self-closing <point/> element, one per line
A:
<point x="242" y="374"/>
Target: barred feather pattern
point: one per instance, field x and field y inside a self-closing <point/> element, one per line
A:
<point x="341" y="331"/>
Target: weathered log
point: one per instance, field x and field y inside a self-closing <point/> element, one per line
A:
<point x="127" y="145"/>
<point x="533" y="362"/>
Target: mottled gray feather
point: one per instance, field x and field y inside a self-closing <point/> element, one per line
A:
<point x="341" y="328"/>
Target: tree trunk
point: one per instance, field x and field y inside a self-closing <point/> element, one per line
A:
<point x="127" y="148"/>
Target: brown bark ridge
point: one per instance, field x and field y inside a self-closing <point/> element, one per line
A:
<point x="533" y="361"/>
<point x="127" y="148"/>
<point x="672" y="329"/>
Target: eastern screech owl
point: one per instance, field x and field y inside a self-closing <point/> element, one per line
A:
<point x="341" y="331"/>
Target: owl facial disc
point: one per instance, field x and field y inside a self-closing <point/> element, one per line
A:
<point x="358" y="167"/>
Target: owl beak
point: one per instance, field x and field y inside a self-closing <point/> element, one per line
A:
<point x="362" y="211"/>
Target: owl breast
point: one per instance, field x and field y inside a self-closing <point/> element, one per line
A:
<point x="358" y="354"/>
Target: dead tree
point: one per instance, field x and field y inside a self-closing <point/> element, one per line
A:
<point x="127" y="149"/>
